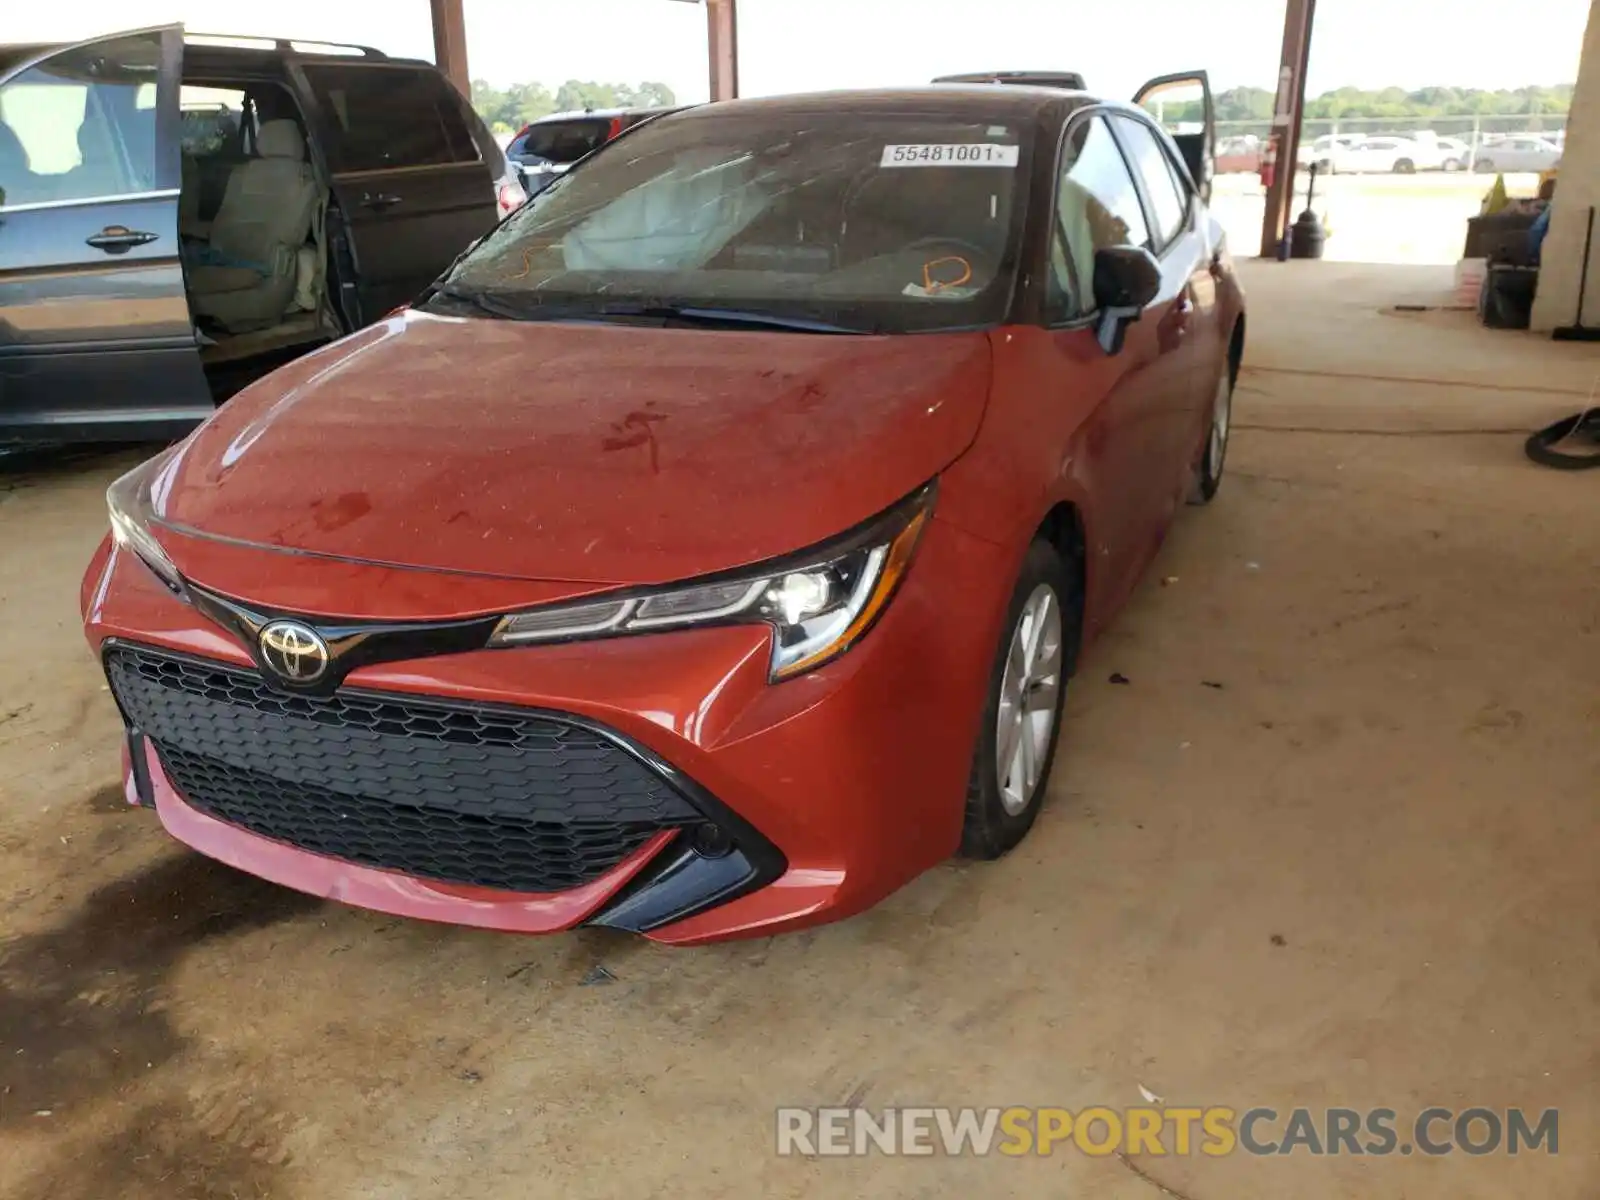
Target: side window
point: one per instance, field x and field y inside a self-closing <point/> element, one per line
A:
<point x="383" y="118"/>
<point x="1168" y="207"/>
<point x="210" y="119"/>
<point x="82" y="124"/>
<point x="1096" y="207"/>
<point x="1180" y="179"/>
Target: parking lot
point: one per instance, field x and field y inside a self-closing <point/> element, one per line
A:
<point x="1372" y="218"/>
<point x="1327" y="842"/>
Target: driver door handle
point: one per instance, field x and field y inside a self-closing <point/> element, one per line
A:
<point x="119" y="239"/>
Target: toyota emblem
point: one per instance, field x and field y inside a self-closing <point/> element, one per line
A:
<point x="294" y="652"/>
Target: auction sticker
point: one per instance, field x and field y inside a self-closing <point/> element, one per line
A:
<point x="952" y="154"/>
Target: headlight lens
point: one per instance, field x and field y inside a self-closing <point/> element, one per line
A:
<point x="131" y="509"/>
<point x="819" y="604"/>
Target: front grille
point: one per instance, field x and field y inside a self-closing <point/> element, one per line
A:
<point x="471" y="794"/>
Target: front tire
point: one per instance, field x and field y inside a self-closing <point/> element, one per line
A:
<point x="1208" y="475"/>
<point x="1022" y="716"/>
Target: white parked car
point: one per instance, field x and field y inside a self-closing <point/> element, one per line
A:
<point x="1321" y="150"/>
<point x="1519" y="154"/>
<point x="1392" y="155"/>
<point x="1457" y="154"/>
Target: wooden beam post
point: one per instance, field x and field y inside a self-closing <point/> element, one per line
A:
<point x="1287" y="113"/>
<point x="722" y="42"/>
<point x="450" y="43"/>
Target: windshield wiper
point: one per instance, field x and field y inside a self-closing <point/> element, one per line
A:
<point x="479" y="300"/>
<point x="704" y="315"/>
<point x="537" y="310"/>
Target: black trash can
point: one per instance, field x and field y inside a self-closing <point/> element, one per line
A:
<point x="1506" y="299"/>
<point x="1306" y="236"/>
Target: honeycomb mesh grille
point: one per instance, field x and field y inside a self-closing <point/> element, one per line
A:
<point x="454" y="792"/>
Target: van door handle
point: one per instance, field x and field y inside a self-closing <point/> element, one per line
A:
<point x="379" y="200"/>
<point x="119" y="239"/>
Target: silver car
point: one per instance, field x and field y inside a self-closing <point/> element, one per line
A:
<point x="1518" y="154"/>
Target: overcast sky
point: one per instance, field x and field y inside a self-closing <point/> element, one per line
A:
<point x="799" y="45"/>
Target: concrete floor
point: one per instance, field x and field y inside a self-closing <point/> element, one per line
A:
<point x="1360" y="872"/>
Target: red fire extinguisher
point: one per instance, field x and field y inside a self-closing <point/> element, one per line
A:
<point x="1269" y="162"/>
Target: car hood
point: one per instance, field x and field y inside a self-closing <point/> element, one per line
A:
<point x="589" y="453"/>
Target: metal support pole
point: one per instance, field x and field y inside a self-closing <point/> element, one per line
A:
<point x="1287" y="113"/>
<point x="722" y="29"/>
<point x="450" y="43"/>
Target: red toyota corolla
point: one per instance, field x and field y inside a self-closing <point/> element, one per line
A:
<point x="708" y="552"/>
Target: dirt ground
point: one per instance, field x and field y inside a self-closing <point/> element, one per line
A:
<point x="1333" y="842"/>
<point x="1372" y="218"/>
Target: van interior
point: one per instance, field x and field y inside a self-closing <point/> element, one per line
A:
<point x="252" y="222"/>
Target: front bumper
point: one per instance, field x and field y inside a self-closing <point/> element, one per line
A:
<point x="786" y="804"/>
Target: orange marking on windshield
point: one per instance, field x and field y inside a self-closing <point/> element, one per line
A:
<point x="930" y="284"/>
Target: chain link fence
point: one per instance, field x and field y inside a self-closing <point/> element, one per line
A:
<point x="1475" y="132"/>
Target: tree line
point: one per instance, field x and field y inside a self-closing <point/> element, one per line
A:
<point x="509" y="109"/>
<point x="1430" y="103"/>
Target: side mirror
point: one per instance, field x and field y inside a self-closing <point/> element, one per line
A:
<point x="1126" y="279"/>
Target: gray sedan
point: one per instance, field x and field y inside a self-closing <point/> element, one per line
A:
<point x="1518" y="154"/>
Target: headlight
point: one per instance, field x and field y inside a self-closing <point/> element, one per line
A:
<point x="129" y="502"/>
<point x="819" y="603"/>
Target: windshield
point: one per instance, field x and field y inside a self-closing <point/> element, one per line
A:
<point x="561" y="142"/>
<point x="863" y="221"/>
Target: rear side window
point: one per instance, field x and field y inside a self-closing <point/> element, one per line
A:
<point x="562" y="142"/>
<point x="1167" y="205"/>
<point x="211" y="120"/>
<point x="384" y="118"/>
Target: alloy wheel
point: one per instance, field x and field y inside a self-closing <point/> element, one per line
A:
<point x="1221" y="413"/>
<point x="1029" y="694"/>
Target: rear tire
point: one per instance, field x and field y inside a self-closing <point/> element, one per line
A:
<point x="1208" y="475"/>
<point x="1405" y="166"/>
<point x="1022" y="715"/>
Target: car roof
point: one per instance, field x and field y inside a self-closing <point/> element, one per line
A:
<point x="212" y="46"/>
<point x="1021" y="101"/>
<point x="1069" y="80"/>
<point x="17" y="53"/>
<point x="603" y="114"/>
